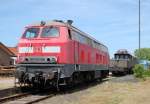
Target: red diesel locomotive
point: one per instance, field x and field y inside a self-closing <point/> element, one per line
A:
<point x="56" y="53"/>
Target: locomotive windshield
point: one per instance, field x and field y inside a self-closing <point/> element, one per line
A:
<point x="50" y="32"/>
<point x="31" y="33"/>
<point x="122" y="56"/>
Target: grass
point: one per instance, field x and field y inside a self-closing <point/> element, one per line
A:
<point x="119" y="93"/>
<point x="147" y="73"/>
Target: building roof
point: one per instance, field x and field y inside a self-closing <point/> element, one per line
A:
<point x="7" y="50"/>
<point x="13" y="50"/>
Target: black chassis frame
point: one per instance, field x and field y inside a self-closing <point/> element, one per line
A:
<point x="64" y="70"/>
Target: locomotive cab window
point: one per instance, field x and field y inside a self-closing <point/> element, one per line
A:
<point x="126" y="57"/>
<point x="31" y="33"/>
<point x="50" y="32"/>
<point x="117" y="57"/>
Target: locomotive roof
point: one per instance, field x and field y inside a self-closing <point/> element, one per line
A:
<point x="49" y="23"/>
<point x="61" y="23"/>
<point x="122" y="52"/>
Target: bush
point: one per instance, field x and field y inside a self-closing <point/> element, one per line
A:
<point x="147" y="73"/>
<point x="139" y="71"/>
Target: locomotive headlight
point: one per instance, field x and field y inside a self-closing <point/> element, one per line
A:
<point x="21" y="58"/>
<point x="48" y="59"/>
<point x="26" y="59"/>
<point x="52" y="59"/>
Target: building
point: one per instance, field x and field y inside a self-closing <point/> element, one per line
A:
<point x="145" y="63"/>
<point x="7" y="55"/>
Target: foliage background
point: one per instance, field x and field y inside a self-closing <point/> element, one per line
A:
<point x="144" y="53"/>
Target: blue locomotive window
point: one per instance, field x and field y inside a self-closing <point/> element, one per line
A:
<point x="117" y="57"/>
<point x="50" y="32"/>
<point x="126" y="57"/>
<point x="31" y="33"/>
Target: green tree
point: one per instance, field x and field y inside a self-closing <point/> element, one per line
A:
<point x="144" y="53"/>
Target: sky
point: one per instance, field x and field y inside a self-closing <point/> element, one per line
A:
<point x="112" y="22"/>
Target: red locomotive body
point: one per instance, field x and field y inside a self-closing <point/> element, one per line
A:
<point x="59" y="53"/>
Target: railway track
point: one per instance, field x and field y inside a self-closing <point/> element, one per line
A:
<point x="13" y="97"/>
<point x="26" y="98"/>
<point x="34" y="97"/>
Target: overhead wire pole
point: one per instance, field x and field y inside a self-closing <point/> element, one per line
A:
<point x="139" y="27"/>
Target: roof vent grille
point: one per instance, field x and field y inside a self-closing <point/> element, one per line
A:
<point x="58" y="21"/>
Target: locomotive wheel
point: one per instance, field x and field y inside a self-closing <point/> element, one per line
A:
<point x="89" y="76"/>
<point x="76" y="78"/>
<point x="69" y="81"/>
<point x="131" y="71"/>
<point x="104" y="73"/>
<point x="125" y="72"/>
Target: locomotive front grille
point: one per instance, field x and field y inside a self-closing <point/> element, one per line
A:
<point x="37" y="59"/>
<point x="50" y="59"/>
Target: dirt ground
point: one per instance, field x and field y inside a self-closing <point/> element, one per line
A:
<point x="113" y="91"/>
<point x="6" y="82"/>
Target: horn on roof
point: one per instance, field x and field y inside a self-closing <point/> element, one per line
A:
<point x="70" y="22"/>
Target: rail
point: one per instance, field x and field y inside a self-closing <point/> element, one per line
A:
<point x="13" y="97"/>
<point x="26" y="98"/>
